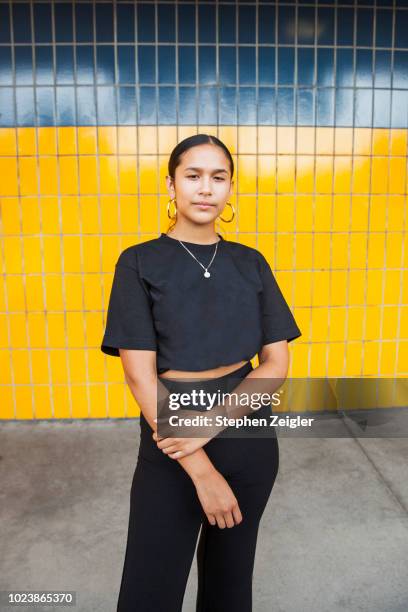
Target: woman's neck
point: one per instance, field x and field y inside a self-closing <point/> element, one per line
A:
<point x="199" y="235"/>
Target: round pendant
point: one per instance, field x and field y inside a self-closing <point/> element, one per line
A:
<point x="207" y="274"/>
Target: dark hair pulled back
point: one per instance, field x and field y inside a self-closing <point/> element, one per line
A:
<point x="193" y="141"/>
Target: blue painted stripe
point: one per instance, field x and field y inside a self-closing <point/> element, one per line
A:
<point x="168" y="105"/>
<point x="105" y="66"/>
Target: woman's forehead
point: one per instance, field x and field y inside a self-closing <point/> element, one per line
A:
<point x="205" y="157"/>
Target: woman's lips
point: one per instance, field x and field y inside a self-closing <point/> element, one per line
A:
<point x="203" y="205"/>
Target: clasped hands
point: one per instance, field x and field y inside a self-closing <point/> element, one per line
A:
<point x="176" y="448"/>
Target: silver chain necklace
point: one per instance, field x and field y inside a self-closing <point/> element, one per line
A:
<point x="206" y="273"/>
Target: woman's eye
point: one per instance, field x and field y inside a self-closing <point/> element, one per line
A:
<point x="221" y="178"/>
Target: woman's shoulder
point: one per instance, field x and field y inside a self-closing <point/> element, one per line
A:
<point x="130" y="255"/>
<point x="244" y="250"/>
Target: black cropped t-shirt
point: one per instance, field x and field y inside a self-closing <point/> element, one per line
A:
<point x="161" y="301"/>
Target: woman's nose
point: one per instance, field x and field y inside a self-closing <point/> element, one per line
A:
<point x="205" y="186"/>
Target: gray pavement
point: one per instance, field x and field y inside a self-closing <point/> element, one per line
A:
<point x="333" y="538"/>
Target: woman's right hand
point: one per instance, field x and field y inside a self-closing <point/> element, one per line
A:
<point x="217" y="499"/>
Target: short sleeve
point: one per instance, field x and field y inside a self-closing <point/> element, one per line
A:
<point x="129" y="323"/>
<point x="278" y="322"/>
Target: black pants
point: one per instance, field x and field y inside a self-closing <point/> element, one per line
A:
<point x="166" y="516"/>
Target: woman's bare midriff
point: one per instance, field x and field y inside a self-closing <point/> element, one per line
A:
<point x="213" y="373"/>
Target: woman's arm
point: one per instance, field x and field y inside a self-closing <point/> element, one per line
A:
<point x="147" y="389"/>
<point x="214" y="493"/>
<point x="270" y="375"/>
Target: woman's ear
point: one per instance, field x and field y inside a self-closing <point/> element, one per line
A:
<point x="170" y="186"/>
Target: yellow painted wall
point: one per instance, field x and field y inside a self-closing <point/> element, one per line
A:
<point x="326" y="206"/>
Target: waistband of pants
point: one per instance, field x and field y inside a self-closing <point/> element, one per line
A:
<point x="220" y="383"/>
<point x="238" y="373"/>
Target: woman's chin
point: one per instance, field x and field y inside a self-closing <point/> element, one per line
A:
<point x="203" y="216"/>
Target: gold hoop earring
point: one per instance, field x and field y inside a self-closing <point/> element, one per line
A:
<point x="175" y="208"/>
<point x="233" y="214"/>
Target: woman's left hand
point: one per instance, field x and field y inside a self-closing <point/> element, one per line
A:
<point x="176" y="448"/>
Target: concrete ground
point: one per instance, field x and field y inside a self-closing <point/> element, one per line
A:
<point x="334" y="535"/>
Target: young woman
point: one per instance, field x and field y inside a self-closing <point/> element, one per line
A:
<point x="184" y="305"/>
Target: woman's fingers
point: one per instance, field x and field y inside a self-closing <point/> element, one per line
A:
<point x="220" y="520"/>
<point x="229" y="520"/>
<point x="237" y="514"/>
<point x="169" y="449"/>
<point x="167" y="442"/>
